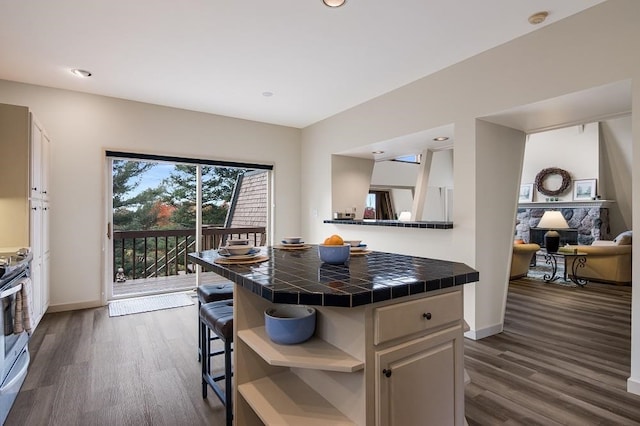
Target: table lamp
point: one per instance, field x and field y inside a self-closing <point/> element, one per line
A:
<point x="552" y="220"/>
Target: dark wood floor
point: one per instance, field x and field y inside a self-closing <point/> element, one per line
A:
<point x="562" y="359"/>
<point x="90" y="369"/>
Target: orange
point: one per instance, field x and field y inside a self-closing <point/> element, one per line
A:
<point x="334" y="240"/>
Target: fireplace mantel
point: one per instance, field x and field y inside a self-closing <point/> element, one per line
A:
<point x="603" y="204"/>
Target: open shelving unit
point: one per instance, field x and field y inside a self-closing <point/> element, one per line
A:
<point x="314" y="354"/>
<point x="284" y="399"/>
<point x="316" y="382"/>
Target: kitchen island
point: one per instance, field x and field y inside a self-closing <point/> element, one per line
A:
<point x="387" y="348"/>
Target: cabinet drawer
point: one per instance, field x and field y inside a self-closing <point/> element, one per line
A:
<point x="403" y="319"/>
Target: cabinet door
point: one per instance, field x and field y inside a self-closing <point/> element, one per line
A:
<point x="44" y="284"/>
<point x="421" y="382"/>
<point x="36" y="291"/>
<point x="44" y="227"/>
<point x="39" y="280"/>
<point x="45" y="165"/>
<point x="35" y="183"/>
<point x="36" y="218"/>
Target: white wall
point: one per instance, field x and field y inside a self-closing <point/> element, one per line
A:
<point x="394" y="173"/>
<point x="512" y="75"/>
<point x="82" y="126"/>
<point x="574" y="149"/>
<point x="440" y="181"/>
<point x="616" y="154"/>
<point x="350" y="184"/>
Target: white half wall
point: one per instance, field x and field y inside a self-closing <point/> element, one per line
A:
<point x="499" y="156"/>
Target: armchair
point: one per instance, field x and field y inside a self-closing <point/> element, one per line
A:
<point x="521" y="259"/>
<point x="607" y="261"/>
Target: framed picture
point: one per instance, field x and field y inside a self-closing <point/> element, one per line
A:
<point x="584" y="189"/>
<point x="526" y="193"/>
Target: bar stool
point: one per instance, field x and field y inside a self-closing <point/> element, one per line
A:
<point x="217" y="317"/>
<point x="212" y="293"/>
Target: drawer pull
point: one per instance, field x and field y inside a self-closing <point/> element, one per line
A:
<point x="426" y="315"/>
<point x="386" y="372"/>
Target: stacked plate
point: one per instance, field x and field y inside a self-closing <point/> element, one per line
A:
<point x="292" y="242"/>
<point x="254" y="252"/>
<point x="358" y="248"/>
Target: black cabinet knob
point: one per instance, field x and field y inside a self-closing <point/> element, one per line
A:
<point x="426" y="315"/>
<point x="386" y="372"/>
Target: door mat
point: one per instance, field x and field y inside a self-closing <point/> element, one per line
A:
<point x="147" y="304"/>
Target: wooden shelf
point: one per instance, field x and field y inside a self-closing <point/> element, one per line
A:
<point x="315" y="354"/>
<point x="284" y="399"/>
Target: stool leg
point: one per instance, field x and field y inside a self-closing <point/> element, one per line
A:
<point x="199" y="334"/>
<point x="227" y="381"/>
<point x="204" y="364"/>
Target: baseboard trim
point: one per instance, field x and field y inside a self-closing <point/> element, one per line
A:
<point x="74" y="306"/>
<point x="633" y="385"/>
<point x="483" y="332"/>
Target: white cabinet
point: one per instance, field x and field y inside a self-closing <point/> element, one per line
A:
<point x="420" y="379"/>
<point x="25" y="196"/>
<point x="420" y="369"/>
<point x="39" y="224"/>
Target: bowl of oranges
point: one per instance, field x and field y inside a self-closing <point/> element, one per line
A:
<point x="334" y="250"/>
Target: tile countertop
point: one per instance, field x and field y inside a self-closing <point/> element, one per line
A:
<point x="300" y="277"/>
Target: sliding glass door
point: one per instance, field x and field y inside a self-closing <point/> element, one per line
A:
<point x="161" y="209"/>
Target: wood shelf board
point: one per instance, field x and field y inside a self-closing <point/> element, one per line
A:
<point x="314" y="354"/>
<point x="284" y="399"/>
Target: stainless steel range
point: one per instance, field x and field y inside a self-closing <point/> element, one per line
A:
<point x="14" y="353"/>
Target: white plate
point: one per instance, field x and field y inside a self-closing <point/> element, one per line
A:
<point x="253" y="253"/>
<point x="361" y="247"/>
<point x="300" y="244"/>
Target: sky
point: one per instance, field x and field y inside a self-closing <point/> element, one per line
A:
<point x="154" y="177"/>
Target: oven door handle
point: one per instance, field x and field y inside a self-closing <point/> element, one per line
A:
<point x="11" y="291"/>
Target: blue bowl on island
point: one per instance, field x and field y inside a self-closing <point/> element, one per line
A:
<point x="290" y="324"/>
<point x="334" y="255"/>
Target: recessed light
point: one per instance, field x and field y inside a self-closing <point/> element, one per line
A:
<point x="441" y="138"/>
<point x="538" y="18"/>
<point x="80" y="73"/>
<point x="377" y="152"/>
<point x="267" y="94"/>
<point x="334" y="3"/>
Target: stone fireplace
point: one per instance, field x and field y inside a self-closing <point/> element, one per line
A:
<point x="588" y="221"/>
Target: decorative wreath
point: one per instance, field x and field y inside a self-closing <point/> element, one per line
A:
<point x="544" y="173"/>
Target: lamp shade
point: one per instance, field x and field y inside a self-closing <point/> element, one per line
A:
<point x="553" y="219"/>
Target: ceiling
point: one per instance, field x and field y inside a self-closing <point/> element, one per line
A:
<point x="221" y="57"/>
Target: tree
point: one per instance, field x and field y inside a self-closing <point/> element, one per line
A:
<point x="217" y="188"/>
<point x="126" y="178"/>
<point x="129" y="210"/>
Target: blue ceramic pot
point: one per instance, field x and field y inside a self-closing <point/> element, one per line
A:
<point x="290" y="324"/>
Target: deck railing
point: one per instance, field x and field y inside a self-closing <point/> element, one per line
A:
<point x="148" y="254"/>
